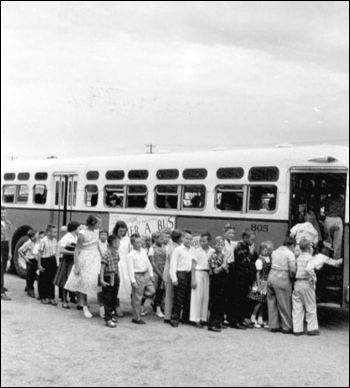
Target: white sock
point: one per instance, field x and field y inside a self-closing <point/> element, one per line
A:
<point x="102" y="312"/>
<point x="87" y="312"/>
<point x="253" y="318"/>
<point x="159" y="312"/>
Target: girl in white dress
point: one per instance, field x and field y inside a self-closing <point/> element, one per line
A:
<point x="125" y="288"/>
<point x="87" y="264"/>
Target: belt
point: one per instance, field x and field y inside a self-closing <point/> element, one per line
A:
<point x="280" y="270"/>
<point x="302" y="280"/>
<point x="141" y="273"/>
<point x="202" y="270"/>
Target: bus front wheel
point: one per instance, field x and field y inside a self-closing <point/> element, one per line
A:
<point x="19" y="262"/>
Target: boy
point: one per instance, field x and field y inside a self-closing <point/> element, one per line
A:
<point x="26" y="252"/>
<point x="110" y="279"/>
<point x="103" y="241"/>
<point x="304" y="295"/>
<point x="200" y="282"/>
<point x="306" y="229"/>
<point x="141" y="276"/>
<point x="47" y="266"/>
<point x="157" y="256"/>
<point x="180" y="273"/>
<point x="218" y="278"/>
<point x="176" y="240"/>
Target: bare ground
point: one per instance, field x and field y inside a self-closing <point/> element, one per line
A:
<point x="45" y="346"/>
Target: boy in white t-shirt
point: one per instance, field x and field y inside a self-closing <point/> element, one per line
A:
<point x="306" y="229"/>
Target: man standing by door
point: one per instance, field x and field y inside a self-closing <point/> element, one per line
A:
<point x="6" y="227"/>
<point x="334" y="208"/>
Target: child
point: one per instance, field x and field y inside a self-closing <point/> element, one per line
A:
<point x="218" y="278"/>
<point x="306" y="229"/>
<point x="66" y="248"/>
<point x="176" y="240"/>
<point x="103" y="241"/>
<point x="258" y="292"/>
<point x="110" y="279"/>
<point x="157" y="256"/>
<point x="47" y="266"/>
<point x="146" y="245"/>
<point x="200" y="282"/>
<point x="181" y="276"/>
<point x="304" y="295"/>
<point x="26" y="252"/>
<point x="141" y="276"/>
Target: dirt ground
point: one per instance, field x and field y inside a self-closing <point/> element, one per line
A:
<point x="45" y="346"/>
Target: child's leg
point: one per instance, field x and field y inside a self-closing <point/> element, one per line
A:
<point x="169" y="298"/>
<point x="51" y="272"/>
<point x="255" y="313"/>
<point x="311" y="309"/>
<point x="137" y="295"/>
<point x="298" y="308"/>
<point x="196" y="299"/>
<point x="187" y="298"/>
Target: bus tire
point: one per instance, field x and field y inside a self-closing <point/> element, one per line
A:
<point x="20" y="264"/>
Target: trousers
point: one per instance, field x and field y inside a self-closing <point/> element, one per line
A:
<point x="182" y="297"/>
<point x="46" y="278"/>
<point x="144" y="288"/>
<point x="5" y="250"/>
<point x="31" y="277"/>
<point x="108" y="296"/>
<point x="200" y="298"/>
<point x="169" y="300"/>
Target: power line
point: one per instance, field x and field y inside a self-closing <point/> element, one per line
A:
<point x="151" y="146"/>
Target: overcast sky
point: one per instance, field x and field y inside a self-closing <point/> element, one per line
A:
<point x="102" y="78"/>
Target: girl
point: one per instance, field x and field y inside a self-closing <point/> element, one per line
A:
<point x="87" y="264"/>
<point x="258" y="292"/>
<point x="125" y="290"/>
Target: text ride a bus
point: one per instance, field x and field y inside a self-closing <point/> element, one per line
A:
<point x="265" y="190"/>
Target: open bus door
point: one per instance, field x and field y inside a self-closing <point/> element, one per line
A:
<point x="309" y="189"/>
<point x="65" y="198"/>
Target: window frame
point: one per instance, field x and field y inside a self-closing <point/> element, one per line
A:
<point x="167" y="179"/>
<point x="115" y="179"/>
<point x="263" y="181"/>
<point x="38" y="174"/>
<point x="92" y="193"/>
<point x="131" y="178"/>
<point x="9" y="176"/>
<point x="195" y="179"/>
<point x="262" y="211"/>
<point x="146" y="195"/>
<point x="34" y="194"/>
<point x="105" y="196"/>
<point x="178" y="195"/>
<point x="230" y="168"/>
<point x="244" y="203"/>
<point x="181" y="206"/>
<point x="3" y="194"/>
<point x="88" y="177"/>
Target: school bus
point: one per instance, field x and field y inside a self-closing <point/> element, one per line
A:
<point x="265" y="190"/>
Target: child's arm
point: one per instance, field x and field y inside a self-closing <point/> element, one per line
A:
<point x="318" y="261"/>
<point x="102" y="275"/>
<point x="22" y="251"/>
<point x="173" y="267"/>
<point x="194" y="265"/>
<point x="40" y="268"/>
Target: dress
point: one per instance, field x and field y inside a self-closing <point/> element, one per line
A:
<point x="90" y="265"/>
<point x="65" y="268"/>
<point x="125" y="288"/>
<point x="254" y="294"/>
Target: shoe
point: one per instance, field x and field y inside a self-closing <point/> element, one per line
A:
<point x="5" y="298"/>
<point x="87" y="313"/>
<point x="198" y="325"/>
<point x="237" y="326"/>
<point x="204" y="323"/>
<point x="79" y="308"/>
<point x="274" y="331"/>
<point x="25" y="290"/>
<point x="111" y="324"/>
<point x="287" y="332"/>
<point x="144" y="313"/>
<point x="114" y="319"/>
<point x="65" y="306"/>
<point x="174" y="324"/>
<point x="31" y="295"/>
<point x="313" y="333"/>
<point x="119" y="312"/>
<point x="140" y="322"/>
<point x="185" y="322"/>
<point x="74" y="300"/>
<point x="160" y="315"/>
<point x="247" y="325"/>
<point x="6" y="290"/>
<point x="299" y="334"/>
<point x="265" y="326"/>
<point x="45" y="301"/>
<point x="154" y="307"/>
<point x="224" y="327"/>
<point x="53" y="302"/>
<point x="257" y="326"/>
<point x="167" y="321"/>
<point x="214" y="329"/>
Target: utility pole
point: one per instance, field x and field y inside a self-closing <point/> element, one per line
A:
<point x="151" y="146"/>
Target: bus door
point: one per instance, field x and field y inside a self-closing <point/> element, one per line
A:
<point x="309" y="189"/>
<point x="65" y="197"/>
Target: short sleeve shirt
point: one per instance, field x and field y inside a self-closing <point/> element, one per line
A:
<point x="111" y="260"/>
<point x="28" y="249"/>
<point x="48" y="247"/>
<point x="6" y="227"/>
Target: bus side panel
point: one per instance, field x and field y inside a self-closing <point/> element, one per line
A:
<point x="275" y="231"/>
<point x="346" y="267"/>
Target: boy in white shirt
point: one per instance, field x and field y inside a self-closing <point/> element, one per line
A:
<point x="200" y="282"/>
<point x="141" y="275"/>
<point x="181" y="276"/>
<point x="306" y="229"/>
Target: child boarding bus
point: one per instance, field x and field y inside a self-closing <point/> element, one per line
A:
<point x="265" y="190"/>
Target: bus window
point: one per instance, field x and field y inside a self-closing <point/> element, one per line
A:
<point x="72" y="193"/>
<point x="264" y="174"/>
<point x="230" y="173"/>
<point x="138" y="174"/>
<point x="195" y="173"/>
<point x="91" y="195"/>
<point x="262" y="198"/>
<point x="23" y="176"/>
<point x="167" y="197"/>
<point x="230" y="198"/>
<point x="8" y="194"/>
<point x="115" y="175"/>
<point x="22" y="194"/>
<point x="39" y="194"/>
<point x="92" y="175"/>
<point x="114" y="196"/>
<point x="168" y="174"/>
<point x="41" y="176"/>
<point x="137" y="197"/>
<point x="193" y="197"/>
<point x="10" y="176"/>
